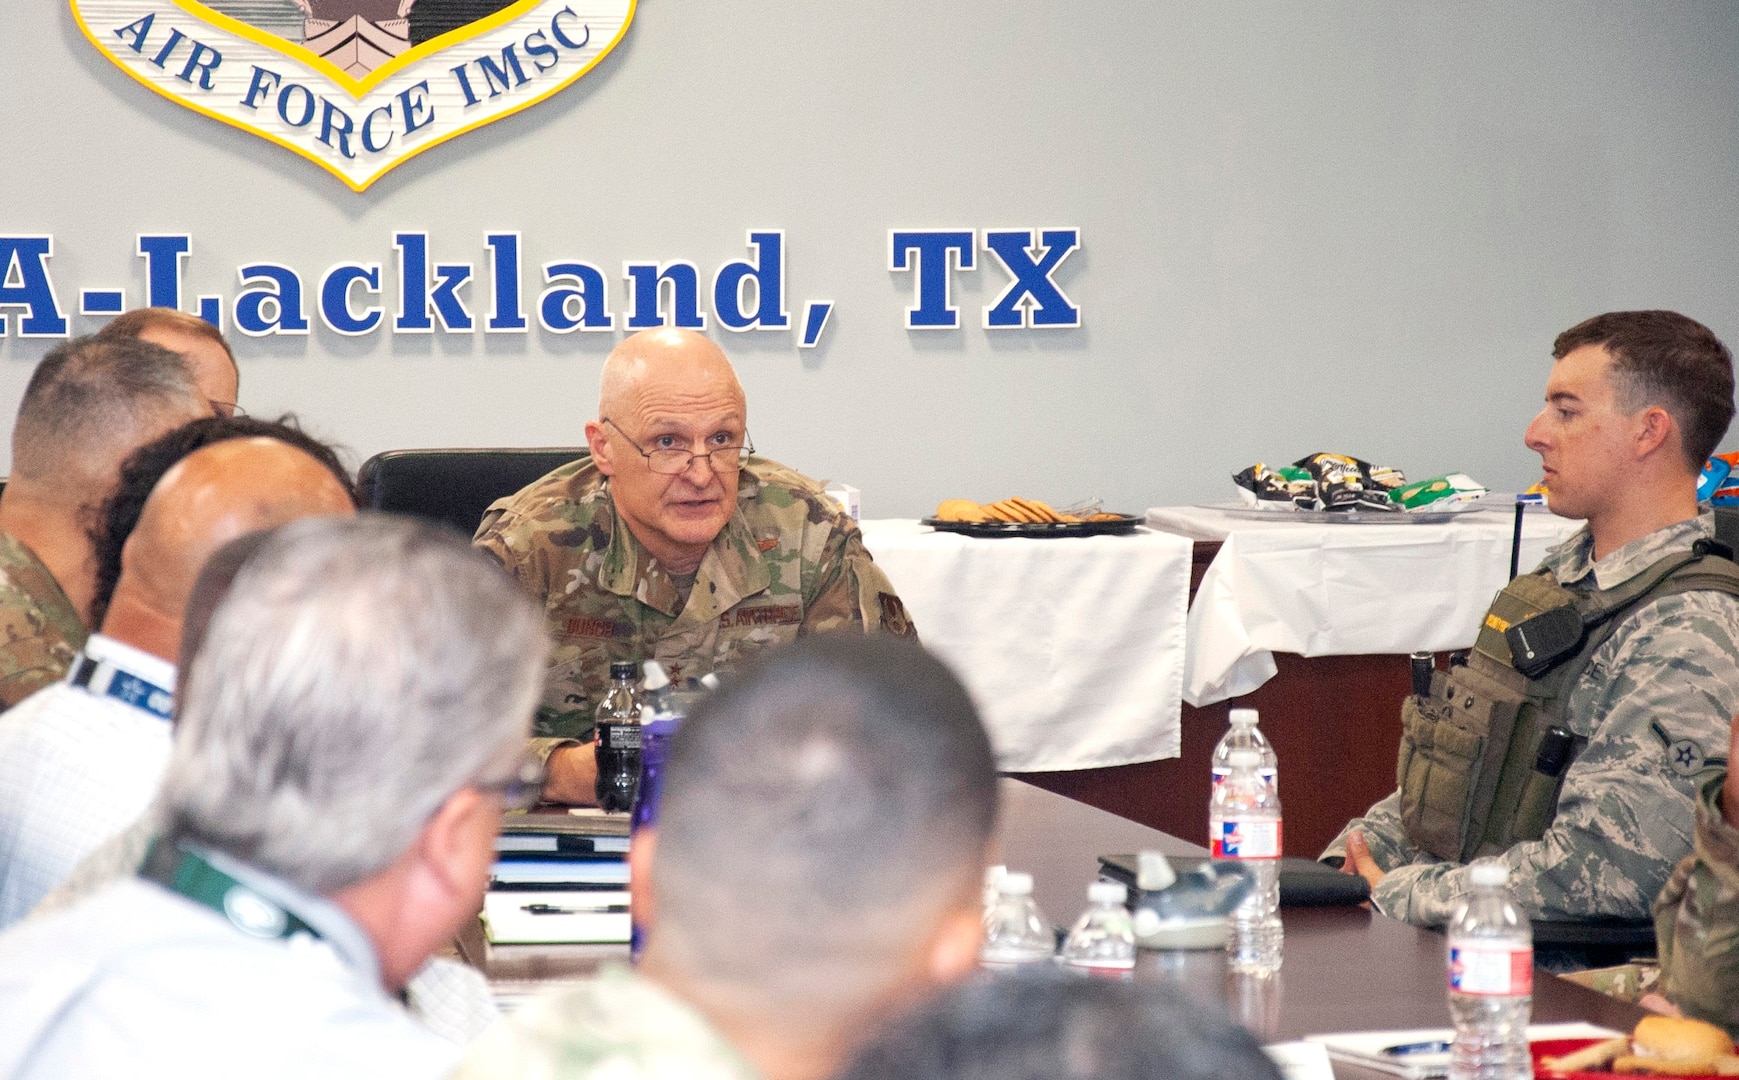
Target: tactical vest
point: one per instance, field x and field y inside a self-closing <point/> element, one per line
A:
<point x="1483" y="756"/>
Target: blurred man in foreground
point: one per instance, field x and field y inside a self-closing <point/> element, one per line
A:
<point x="89" y="403"/>
<point x="346" y="735"/>
<point x="670" y="541"/>
<point x="1600" y="684"/>
<point x="1061" y="1027"/>
<point x="816" y="869"/>
<point x="80" y="760"/>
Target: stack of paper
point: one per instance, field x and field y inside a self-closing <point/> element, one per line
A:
<point x="559" y="879"/>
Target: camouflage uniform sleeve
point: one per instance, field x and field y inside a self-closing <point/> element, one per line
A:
<point x="851" y="592"/>
<point x="1381" y="827"/>
<point x="1656" y="699"/>
<point x="35" y="648"/>
<point x="1697" y="919"/>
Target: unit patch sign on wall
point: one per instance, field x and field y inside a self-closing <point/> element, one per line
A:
<point x="356" y="86"/>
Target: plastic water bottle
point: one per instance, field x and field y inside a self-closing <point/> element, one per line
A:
<point x="1491" y="981"/>
<point x="1015" y="931"/>
<point x="1244" y="824"/>
<point x="617" y="745"/>
<point x="1102" y="941"/>
<point x="1244" y="734"/>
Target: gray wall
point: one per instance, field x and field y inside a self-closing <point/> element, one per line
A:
<point x="1305" y="226"/>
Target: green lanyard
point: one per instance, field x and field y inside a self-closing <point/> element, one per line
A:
<point x="190" y="875"/>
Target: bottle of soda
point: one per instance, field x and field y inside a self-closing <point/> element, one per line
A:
<point x="1491" y="980"/>
<point x="1244" y="824"/>
<point x="1015" y="932"/>
<point x="617" y="746"/>
<point x="1244" y="733"/>
<point x="1102" y="941"/>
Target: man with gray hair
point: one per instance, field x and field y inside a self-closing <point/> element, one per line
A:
<point x="88" y="405"/>
<point x="816" y="869"/>
<point x="347" y="737"/>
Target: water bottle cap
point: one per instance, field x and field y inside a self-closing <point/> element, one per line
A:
<point x="1015" y="883"/>
<point x="1107" y="892"/>
<point x="1489" y="873"/>
<point x="656" y="679"/>
<point x="1244" y="758"/>
<point x="624" y="669"/>
<point x="1243" y="716"/>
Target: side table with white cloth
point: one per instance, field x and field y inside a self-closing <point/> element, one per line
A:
<point x="1072" y="647"/>
<point x="1320" y="589"/>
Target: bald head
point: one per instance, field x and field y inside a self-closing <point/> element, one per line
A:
<point x="208" y="499"/>
<point x="667" y="362"/>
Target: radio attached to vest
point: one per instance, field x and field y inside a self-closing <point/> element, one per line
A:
<point x="1484" y="752"/>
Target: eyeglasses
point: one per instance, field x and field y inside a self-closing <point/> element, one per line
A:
<point x="225" y="408"/>
<point x="521" y="791"/>
<point x="673" y="462"/>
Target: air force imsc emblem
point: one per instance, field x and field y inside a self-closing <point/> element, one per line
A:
<point x="356" y="86"/>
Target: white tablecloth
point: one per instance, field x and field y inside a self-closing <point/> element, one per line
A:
<point x="1073" y="648"/>
<point x="1334" y="590"/>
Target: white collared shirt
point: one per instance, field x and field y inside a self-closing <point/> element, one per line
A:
<point x="141" y="983"/>
<point x="76" y="766"/>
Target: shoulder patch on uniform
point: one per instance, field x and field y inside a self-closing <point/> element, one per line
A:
<point x="767" y="543"/>
<point x="1686" y="757"/>
<point x="894" y="617"/>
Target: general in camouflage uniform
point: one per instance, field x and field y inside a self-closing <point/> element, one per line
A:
<point x="788" y="563"/>
<point x="619" y="1026"/>
<point x="40" y="631"/>
<point x="1654" y="705"/>
<point x="1697" y="917"/>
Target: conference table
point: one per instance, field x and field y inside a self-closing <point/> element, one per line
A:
<point x="1346" y="969"/>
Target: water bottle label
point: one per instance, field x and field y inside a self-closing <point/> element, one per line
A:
<point x="1499" y="972"/>
<point x="1244" y="839"/>
<point x="619" y="736"/>
<point x="1220" y="772"/>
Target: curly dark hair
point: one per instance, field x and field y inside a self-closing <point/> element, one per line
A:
<point x="119" y="514"/>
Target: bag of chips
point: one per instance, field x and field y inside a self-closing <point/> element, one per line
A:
<point x="1283" y="488"/>
<point x="1717" y="481"/>
<point x="1346" y="483"/>
<point x="1438" y="493"/>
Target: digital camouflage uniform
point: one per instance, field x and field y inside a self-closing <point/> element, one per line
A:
<point x="40" y="631"/>
<point x="618" y="1026"/>
<point x="787" y="564"/>
<point x="1654" y="705"/>
<point x="1697" y="918"/>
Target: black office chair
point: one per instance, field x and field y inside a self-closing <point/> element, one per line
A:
<point x="453" y="486"/>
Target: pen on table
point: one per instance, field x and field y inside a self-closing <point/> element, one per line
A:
<point x="552" y="909"/>
<point x="1404" y="1049"/>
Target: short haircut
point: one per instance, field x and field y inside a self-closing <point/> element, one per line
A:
<point x="359" y="672"/>
<point x="1662" y="358"/>
<point x="85" y="398"/>
<point x="820" y="812"/>
<point x="133" y="323"/>
<point x="1053" y="1026"/>
<point x="119" y="514"/>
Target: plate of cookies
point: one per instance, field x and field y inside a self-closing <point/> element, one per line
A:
<point x="1019" y="516"/>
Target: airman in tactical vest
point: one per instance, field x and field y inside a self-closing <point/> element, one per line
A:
<point x="1569" y="740"/>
